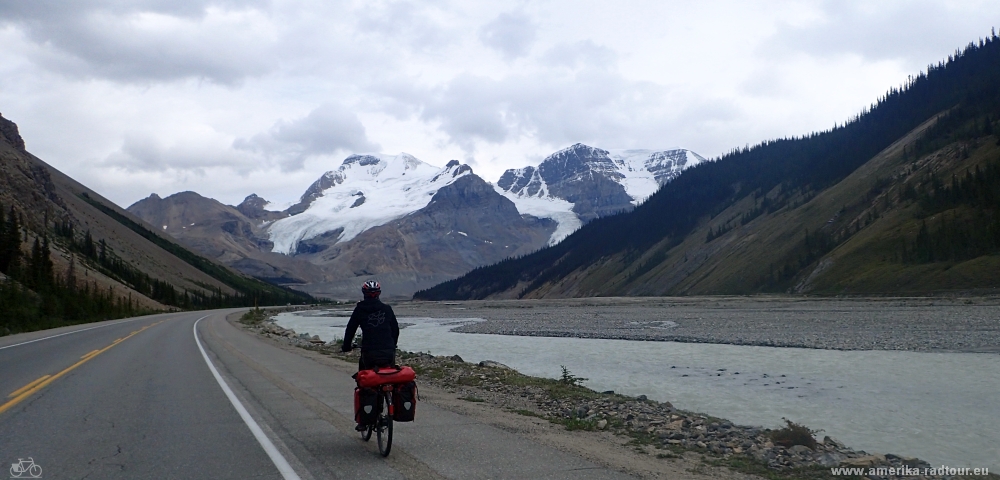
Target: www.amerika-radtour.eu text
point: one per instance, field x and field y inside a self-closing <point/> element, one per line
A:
<point x="905" y="471"/>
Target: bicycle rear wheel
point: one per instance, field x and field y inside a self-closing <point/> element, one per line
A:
<point x="366" y="434"/>
<point x="384" y="426"/>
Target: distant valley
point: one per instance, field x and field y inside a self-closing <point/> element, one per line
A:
<point x="68" y="255"/>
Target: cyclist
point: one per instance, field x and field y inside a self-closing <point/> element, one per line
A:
<point x="379" y="329"/>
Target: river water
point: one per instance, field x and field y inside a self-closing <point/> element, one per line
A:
<point x="941" y="407"/>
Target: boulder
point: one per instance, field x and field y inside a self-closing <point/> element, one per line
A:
<point x="492" y="364"/>
<point x="801" y="450"/>
<point x="830" y="459"/>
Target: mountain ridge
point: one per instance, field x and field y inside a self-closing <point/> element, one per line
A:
<point x="70" y="255"/>
<point x="321" y="238"/>
<point x="714" y="207"/>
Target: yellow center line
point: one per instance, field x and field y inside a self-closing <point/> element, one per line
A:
<point x="32" y="384"/>
<point x="89" y="353"/>
<point x="30" y="389"/>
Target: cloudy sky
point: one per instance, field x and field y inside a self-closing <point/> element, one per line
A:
<point x="228" y="98"/>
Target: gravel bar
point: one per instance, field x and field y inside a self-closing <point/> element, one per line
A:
<point x="961" y="324"/>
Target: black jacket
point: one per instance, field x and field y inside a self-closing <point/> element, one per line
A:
<point x="379" y="328"/>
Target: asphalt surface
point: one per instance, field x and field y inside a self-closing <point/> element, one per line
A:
<point x="136" y="399"/>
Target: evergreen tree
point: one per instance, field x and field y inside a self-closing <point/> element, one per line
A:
<point x="10" y="243"/>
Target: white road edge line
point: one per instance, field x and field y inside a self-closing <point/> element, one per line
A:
<point x="69" y="333"/>
<point x="279" y="460"/>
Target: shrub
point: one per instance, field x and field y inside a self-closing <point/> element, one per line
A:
<point x="794" y="434"/>
<point x="570" y="379"/>
<point x="253" y="316"/>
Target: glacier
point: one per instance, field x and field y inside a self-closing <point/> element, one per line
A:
<point x="640" y="172"/>
<point x="367" y="191"/>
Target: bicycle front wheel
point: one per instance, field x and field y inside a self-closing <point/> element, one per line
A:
<point x="384" y="426"/>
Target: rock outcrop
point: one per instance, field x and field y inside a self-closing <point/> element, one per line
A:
<point x="9" y="134"/>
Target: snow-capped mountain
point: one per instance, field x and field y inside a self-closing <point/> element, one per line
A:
<point x="580" y="183"/>
<point x="571" y="187"/>
<point x="409" y="223"/>
<point x="365" y="192"/>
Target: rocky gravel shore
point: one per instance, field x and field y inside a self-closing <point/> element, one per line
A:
<point x="915" y="324"/>
<point x="654" y="427"/>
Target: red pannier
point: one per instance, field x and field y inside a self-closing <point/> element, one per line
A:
<point x="383" y="375"/>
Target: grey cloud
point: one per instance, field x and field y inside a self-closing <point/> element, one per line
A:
<point x="409" y="25"/>
<point x="585" y="53"/>
<point x="325" y="130"/>
<point x="471" y="108"/>
<point x="143" y="41"/>
<point x="54" y="10"/>
<point x="511" y="34"/>
<point x="765" y="82"/>
<point x="590" y="105"/>
<point x="912" y="31"/>
<point x="142" y="153"/>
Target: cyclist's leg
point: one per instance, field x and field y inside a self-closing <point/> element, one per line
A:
<point x="376" y="358"/>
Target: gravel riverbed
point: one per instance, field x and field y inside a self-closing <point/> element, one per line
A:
<point x="915" y="324"/>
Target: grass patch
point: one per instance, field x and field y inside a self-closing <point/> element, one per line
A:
<point x="555" y="388"/>
<point x="572" y="424"/>
<point x="642" y="438"/>
<point x="254" y="316"/>
<point x="470" y="380"/>
<point x="436" y="373"/>
<point x="528" y="413"/>
<point x="752" y="466"/>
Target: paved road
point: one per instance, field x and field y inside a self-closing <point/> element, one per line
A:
<point x="169" y="396"/>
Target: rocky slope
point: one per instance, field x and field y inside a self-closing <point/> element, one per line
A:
<point x="224" y="233"/>
<point x="133" y="263"/>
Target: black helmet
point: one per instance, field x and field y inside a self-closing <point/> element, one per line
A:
<point x="371" y="289"/>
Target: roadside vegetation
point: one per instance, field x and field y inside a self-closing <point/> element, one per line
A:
<point x="35" y="296"/>
<point x="255" y="316"/>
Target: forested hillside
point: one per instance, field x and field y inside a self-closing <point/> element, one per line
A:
<point x="69" y="256"/>
<point x="906" y="188"/>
